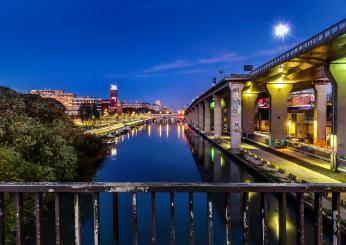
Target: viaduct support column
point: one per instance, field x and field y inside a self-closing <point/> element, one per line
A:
<point x="320" y="113"/>
<point x="278" y="113"/>
<point x="196" y="115"/>
<point x="217" y="116"/>
<point x="337" y="75"/>
<point x="235" y="89"/>
<point x="248" y="115"/>
<point x="193" y="116"/>
<point x="228" y="115"/>
<point x="200" y="115"/>
<point x="207" y="116"/>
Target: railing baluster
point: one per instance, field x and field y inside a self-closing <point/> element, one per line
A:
<point x="318" y="218"/>
<point x="246" y="226"/>
<point x="38" y="205"/>
<point x="191" y="220"/>
<point x="171" y="224"/>
<point x="336" y="218"/>
<point x="228" y="218"/>
<point x="264" y="216"/>
<point x="153" y="218"/>
<point x="210" y="218"/>
<point x="19" y="191"/>
<point x="77" y="228"/>
<point x="135" y="225"/>
<point x="96" y="202"/>
<point x="18" y="197"/>
<point x="115" y="218"/>
<point x="2" y="218"/>
<point x="57" y="218"/>
<point x="300" y="218"/>
<point x="282" y="218"/>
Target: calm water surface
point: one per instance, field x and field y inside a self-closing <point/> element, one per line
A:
<point x="171" y="152"/>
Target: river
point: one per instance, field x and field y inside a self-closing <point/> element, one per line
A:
<point x="171" y="152"/>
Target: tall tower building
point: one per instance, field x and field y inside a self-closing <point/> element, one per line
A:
<point x="114" y="97"/>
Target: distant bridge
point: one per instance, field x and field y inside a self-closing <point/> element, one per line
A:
<point x="167" y="115"/>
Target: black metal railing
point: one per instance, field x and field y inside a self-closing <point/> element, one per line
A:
<point x="37" y="189"/>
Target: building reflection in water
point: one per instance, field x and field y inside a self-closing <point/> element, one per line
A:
<point x="212" y="153"/>
<point x="183" y="130"/>
<point x="222" y="161"/>
<point x="215" y="166"/>
<point x="114" y="151"/>
<point x="167" y="129"/>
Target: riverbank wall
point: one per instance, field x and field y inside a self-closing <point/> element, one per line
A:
<point x="116" y="127"/>
<point x="272" y="173"/>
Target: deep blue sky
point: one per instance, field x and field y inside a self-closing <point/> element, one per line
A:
<point x="158" y="49"/>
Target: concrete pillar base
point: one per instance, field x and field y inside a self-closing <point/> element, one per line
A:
<point x="277" y="143"/>
<point x="217" y="116"/>
<point x="248" y="113"/>
<point x="278" y="113"/>
<point x="207" y="116"/>
<point x="236" y="113"/>
<point x="247" y="135"/>
<point x="336" y="71"/>
<point x="200" y="116"/>
<point x="320" y="113"/>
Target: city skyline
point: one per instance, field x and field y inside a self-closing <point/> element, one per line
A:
<point x="86" y="95"/>
<point x="168" y="50"/>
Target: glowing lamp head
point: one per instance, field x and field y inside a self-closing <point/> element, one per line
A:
<point x="281" y="30"/>
<point x="279" y="85"/>
<point x="114" y="87"/>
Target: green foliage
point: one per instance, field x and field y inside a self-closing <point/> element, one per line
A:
<point x="38" y="142"/>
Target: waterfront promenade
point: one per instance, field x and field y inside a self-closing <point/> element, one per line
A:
<point x="303" y="167"/>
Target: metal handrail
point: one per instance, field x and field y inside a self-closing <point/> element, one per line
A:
<point x="281" y="189"/>
<point x="31" y="187"/>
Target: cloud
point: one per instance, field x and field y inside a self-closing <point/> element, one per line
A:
<point x="181" y="63"/>
<point x="170" y="73"/>
<point x="169" y="66"/>
<point x="192" y="71"/>
<point x="228" y="57"/>
<point x="273" y="51"/>
<point x="267" y="52"/>
<point x="184" y="66"/>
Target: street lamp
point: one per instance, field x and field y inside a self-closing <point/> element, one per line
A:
<point x="281" y="30"/>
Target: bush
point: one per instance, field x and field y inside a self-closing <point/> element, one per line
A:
<point x="38" y="142"/>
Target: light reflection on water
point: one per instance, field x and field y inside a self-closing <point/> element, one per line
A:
<point x="181" y="156"/>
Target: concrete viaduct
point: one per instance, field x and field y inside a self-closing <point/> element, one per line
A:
<point x="315" y="63"/>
